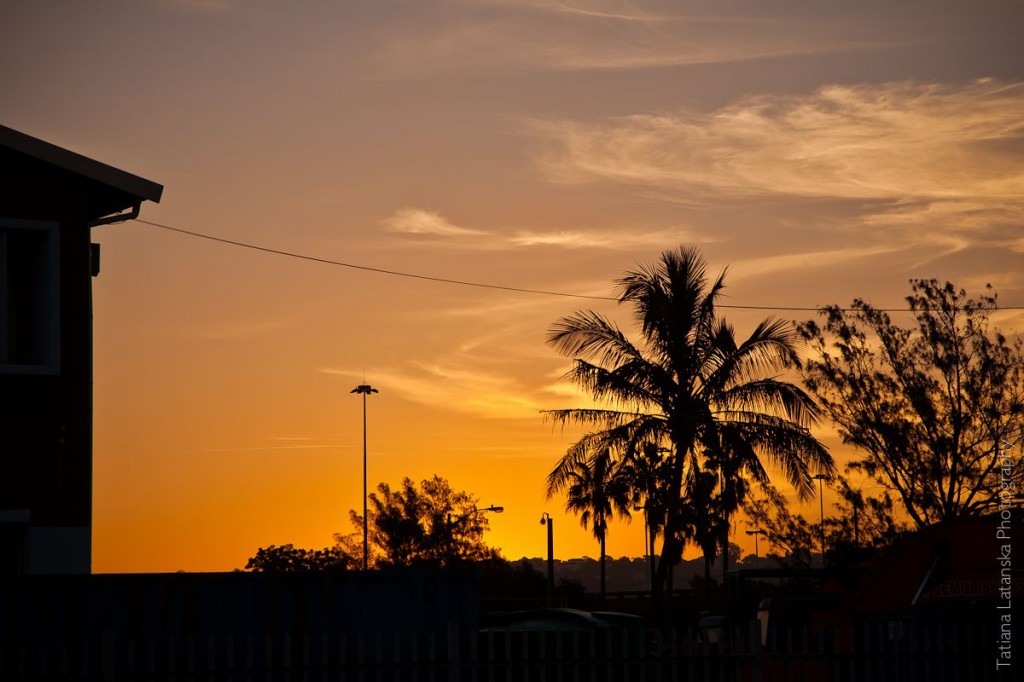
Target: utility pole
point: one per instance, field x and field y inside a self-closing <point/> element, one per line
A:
<point x="756" y="533"/>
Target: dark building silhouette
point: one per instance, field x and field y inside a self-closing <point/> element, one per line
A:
<point x="50" y="198"/>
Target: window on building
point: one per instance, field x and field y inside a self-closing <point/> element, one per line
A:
<point x="13" y="533"/>
<point x="29" y="297"/>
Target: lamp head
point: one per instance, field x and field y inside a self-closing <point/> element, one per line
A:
<point x="545" y="519"/>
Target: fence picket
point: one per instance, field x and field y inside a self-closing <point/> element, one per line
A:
<point x="249" y="658"/>
<point x="872" y="650"/>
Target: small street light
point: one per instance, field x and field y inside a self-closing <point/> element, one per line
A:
<point x="546" y="520"/>
<point x="756" y="533"/>
<point x="365" y="390"/>
<point x="821" y="503"/>
<point x="497" y="509"/>
<point x="648" y="544"/>
<point x="451" y="524"/>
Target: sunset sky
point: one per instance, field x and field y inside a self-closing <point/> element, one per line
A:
<point x="821" y="150"/>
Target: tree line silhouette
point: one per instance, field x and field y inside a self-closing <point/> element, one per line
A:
<point x="428" y="525"/>
<point x="691" y="417"/>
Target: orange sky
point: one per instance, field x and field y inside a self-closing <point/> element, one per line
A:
<point x="822" y="151"/>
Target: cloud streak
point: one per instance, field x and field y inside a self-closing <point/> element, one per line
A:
<point x="455" y="386"/>
<point x="591" y="9"/>
<point x="922" y="150"/>
<point x="424" y="223"/>
<point x="539" y="35"/>
<point x="418" y="221"/>
<point x="624" y="238"/>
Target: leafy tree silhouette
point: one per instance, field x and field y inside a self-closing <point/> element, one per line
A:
<point x="291" y="559"/>
<point x="429" y="525"/>
<point x="935" y="410"/>
<point x="858" y="526"/>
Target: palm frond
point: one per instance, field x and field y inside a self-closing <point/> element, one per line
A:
<point x="591" y="416"/>
<point x="627" y="384"/>
<point x="776" y="397"/>
<point x="592" y="336"/>
<point x="793" y="450"/>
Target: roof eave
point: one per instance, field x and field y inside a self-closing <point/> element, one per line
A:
<point x="144" y="189"/>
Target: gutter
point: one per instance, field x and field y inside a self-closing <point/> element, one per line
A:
<point x="118" y="217"/>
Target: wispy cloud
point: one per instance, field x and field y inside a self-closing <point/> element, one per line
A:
<point x="415" y="221"/>
<point x="922" y="150"/>
<point x="423" y="222"/>
<point x="968" y="213"/>
<point x="199" y="5"/>
<point x="623" y="238"/>
<point x="569" y="239"/>
<point x="508" y="35"/>
<point x="909" y="253"/>
<point x="456" y="386"/>
<point x="593" y="9"/>
<point x="753" y="268"/>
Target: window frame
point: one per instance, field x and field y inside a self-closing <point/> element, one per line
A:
<point x="52" y="258"/>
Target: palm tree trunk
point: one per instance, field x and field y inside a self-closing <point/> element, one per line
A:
<point x="725" y="549"/>
<point x="602" y="569"/>
<point x="726" y="501"/>
<point x="670" y="545"/>
<point x="650" y="557"/>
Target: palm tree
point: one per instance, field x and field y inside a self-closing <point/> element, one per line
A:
<point x="690" y="384"/>
<point x="594" y="491"/>
<point x="642" y="470"/>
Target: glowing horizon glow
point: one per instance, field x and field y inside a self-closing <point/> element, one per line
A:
<point x="819" y="154"/>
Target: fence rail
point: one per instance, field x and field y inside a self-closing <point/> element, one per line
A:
<point x="904" y="650"/>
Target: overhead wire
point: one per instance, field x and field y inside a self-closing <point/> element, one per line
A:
<point x="367" y="268"/>
<point x="466" y="283"/>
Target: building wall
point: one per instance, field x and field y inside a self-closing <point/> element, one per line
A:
<point x="46" y="396"/>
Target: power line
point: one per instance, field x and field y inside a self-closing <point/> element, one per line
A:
<point x="367" y="268"/>
<point x="480" y="285"/>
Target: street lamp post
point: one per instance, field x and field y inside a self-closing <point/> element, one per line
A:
<point x="648" y="546"/>
<point x="821" y="506"/>
<point x="365" y="390"/>
<point x="497" y="509"/>
<point x="546" y="520"/>
<point x="756" y="533"/>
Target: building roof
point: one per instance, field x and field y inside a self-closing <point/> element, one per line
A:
<point x="953" y="563"/>
<point x="115" y="178"/>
